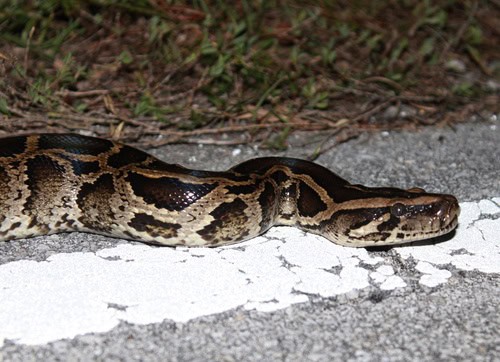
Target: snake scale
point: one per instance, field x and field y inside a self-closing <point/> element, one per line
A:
<point x="52" y="183"/>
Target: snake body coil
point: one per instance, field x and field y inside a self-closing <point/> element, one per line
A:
<point x="52" y="183"/>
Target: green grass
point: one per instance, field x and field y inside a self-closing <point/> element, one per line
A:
<point x="214" y="61"/>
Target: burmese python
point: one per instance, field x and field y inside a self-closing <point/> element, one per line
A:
<point x="52" y="183"/>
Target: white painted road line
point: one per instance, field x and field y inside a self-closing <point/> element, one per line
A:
<point x="77" y="293"/>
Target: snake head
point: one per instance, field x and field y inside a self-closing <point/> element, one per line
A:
<point x="426" y="216"/>
<point x="388" y="216"/>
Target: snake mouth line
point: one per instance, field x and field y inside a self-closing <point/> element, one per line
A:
<point x="431" y="234"/>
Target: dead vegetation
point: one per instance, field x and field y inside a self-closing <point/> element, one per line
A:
<point x="155" y="72"/>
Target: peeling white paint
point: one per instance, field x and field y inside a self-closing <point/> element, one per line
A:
<point x="384" y="275"/>
<point x="432" y="275"/>
<point x="76" y="293"/>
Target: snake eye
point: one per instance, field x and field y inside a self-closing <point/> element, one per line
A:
<point x="398" y="209"/>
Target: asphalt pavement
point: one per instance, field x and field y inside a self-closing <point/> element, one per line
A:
<point x="285" y="296"/>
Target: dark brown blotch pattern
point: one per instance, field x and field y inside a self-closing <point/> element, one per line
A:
<point x="156" y="228"/>
<point x="229" y="224"/>
<point x="95" y="200"/>
<point x="46" y="177"/>
<point x="84" y="168"/>
<point x="309" y="202"/>
<point x="168" y="192"/>
<point x="241" y="189"/>
<point x="12" y="146"/>
<point x="127" y="156"/>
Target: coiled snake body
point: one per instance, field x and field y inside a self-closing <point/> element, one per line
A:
<point x="52" y="183"/>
